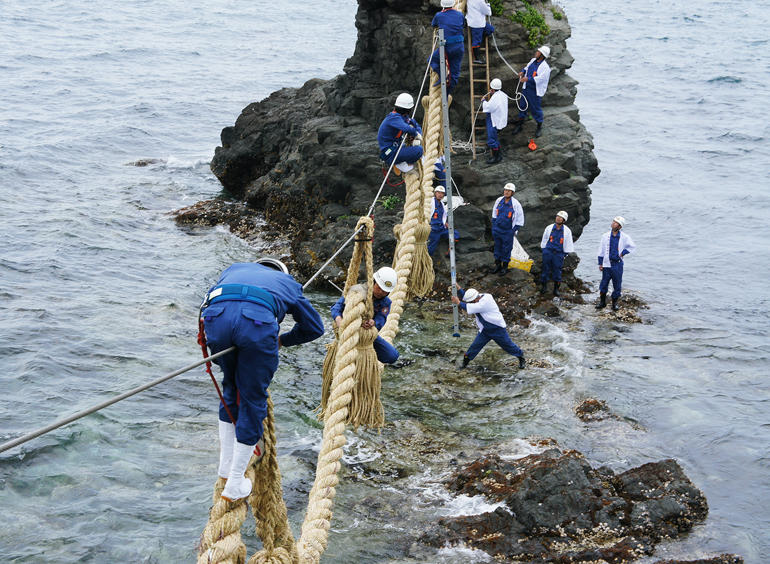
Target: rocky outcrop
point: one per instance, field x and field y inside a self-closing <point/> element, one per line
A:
<point x="308" y="157"/>
<point x="556" y="508"/>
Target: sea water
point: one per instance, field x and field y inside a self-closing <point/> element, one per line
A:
<point x="100" y="288"/>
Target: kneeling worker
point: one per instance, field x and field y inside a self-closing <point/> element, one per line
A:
<point x="556" y="244"/>
<point x="390" y="135"/>
<point x="385" y="280"/>
<point x="245" y="308"/>
<point x="490" y="323"/>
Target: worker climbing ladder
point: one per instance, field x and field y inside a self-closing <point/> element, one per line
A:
<point x="479" y="74"/>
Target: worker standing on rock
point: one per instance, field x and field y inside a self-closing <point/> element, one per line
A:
<point x="453" y="23"/>
<point x="535" y="77"/>
<point x="612" y="248"/>
<point x="556" y="244"/>
<point x="476" y="12"/>
<point x="245" y="309"/>
<point x="385" y="280"/>
<point x="391" y="133"/>
<point x="439" y="228"/>
<point x="495" y="105"/>
<point x="491" y="324"/>
<point x="507" y="219"/>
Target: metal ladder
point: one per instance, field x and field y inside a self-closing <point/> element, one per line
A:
<point x="483" y="82"/>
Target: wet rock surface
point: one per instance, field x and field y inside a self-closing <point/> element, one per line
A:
<point x="557" y="508"/>
<point x="308" y="157"/>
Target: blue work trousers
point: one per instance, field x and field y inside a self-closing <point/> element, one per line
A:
<point x="614" y="273"/>
<point x="552" y="265"/>
<point x="497" y="334"/>
<point x="478" y="33"/>
<point x="248" y="371"/>
<point x="492" y="140"/>
<point x="409" y="154"/>
<point x="503" y="243"/>
<point x="454" y="55"/>
<point x="533" y="103"/>
<point x="436" y="234"/>
<point x="386" y="353"/>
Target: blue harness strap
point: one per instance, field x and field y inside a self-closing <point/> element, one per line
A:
<point x="242" y="292"/>
<point x="453" y="39"/>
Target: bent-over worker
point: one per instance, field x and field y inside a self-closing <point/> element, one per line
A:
<point x="244" y="309"/>
<point x="385" y="280"/>
<point x="490" y="322"/>
<point x="556" y="244"/>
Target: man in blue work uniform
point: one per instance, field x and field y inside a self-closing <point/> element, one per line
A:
<point x="453" y="24"/>
<point x="613" y="248"/>
<point x="490" y="323"/>
<point x="476" y="12"/>
<point x="535" y="77"/>
<point x="245" y="309"/>
<point x="391" y="134"/>
<point x="385" y="280"/>
<point x="439" y="228"/>
<point x="556" y="244"/>
<point x="507" y="219"/>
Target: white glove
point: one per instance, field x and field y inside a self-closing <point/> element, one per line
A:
<point x="417" y="140"/>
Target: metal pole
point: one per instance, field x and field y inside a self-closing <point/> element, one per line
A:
<point x="71" y="418"/>
<point x="448" y="165"/>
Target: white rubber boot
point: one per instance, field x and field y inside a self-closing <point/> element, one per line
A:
<point x="226" y="440"/>
<point x="238" y="485"/>
<point x="404" y="167"/>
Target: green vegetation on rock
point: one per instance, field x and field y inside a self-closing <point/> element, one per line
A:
<point x="534" y="22"/>
<point x="497" y="7"/>
<point x="557" y="15"/>
<point x="391" y="202"/>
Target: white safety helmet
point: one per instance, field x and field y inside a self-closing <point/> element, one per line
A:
<point x="496" y="84"/>
<point x="386" y="278"/>
<point x="439" y="188"/>
<point x="563" y="215"/>
<point x="447" y="3"/>
<point x="405" y="101"/>
<point x="510" y="186"/>
<point x="545" y="51"/>
<point x="470" y="295"/>
<point x="621" y="220"/>
<point x="275" y="264"/>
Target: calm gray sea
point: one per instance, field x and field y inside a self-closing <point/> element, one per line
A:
<point x="100" y="288"/>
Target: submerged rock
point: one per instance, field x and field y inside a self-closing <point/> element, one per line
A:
<point x="558" y="508"/>
<point x="308" y="157"/>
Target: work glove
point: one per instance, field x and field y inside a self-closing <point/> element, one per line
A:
<point x="417" y="140"/>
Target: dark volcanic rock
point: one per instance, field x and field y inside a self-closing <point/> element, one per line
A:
<point x="308" y="157"/>
<point x="558" y="508"/>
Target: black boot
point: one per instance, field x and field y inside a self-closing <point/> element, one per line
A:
<point x="477" y="59"/>
<point x="615" y="304"/>
<point x="522" y="363"/>
<point x="543" y="287"/>
<point x="556" y="289"/>
<point x="497" y="267"/>
<point x="495" y="158"/>
<point x="539" y="130"/>
<point x="602" y="301"/>
<point x="466" y="360"/>
<point x="504" y="269"/>
<point x="519" y="126"/>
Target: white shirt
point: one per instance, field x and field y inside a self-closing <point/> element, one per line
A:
<point x="497" y="107"/>
<point x="487" y="307"/>
<point x="518" y="212"/>
<point x="567" y="245"/>
<point x="476" y="10"/>
<point x="542" y="78"/>
<point x="625" y="244"/>
<point x="443" y="215"/>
